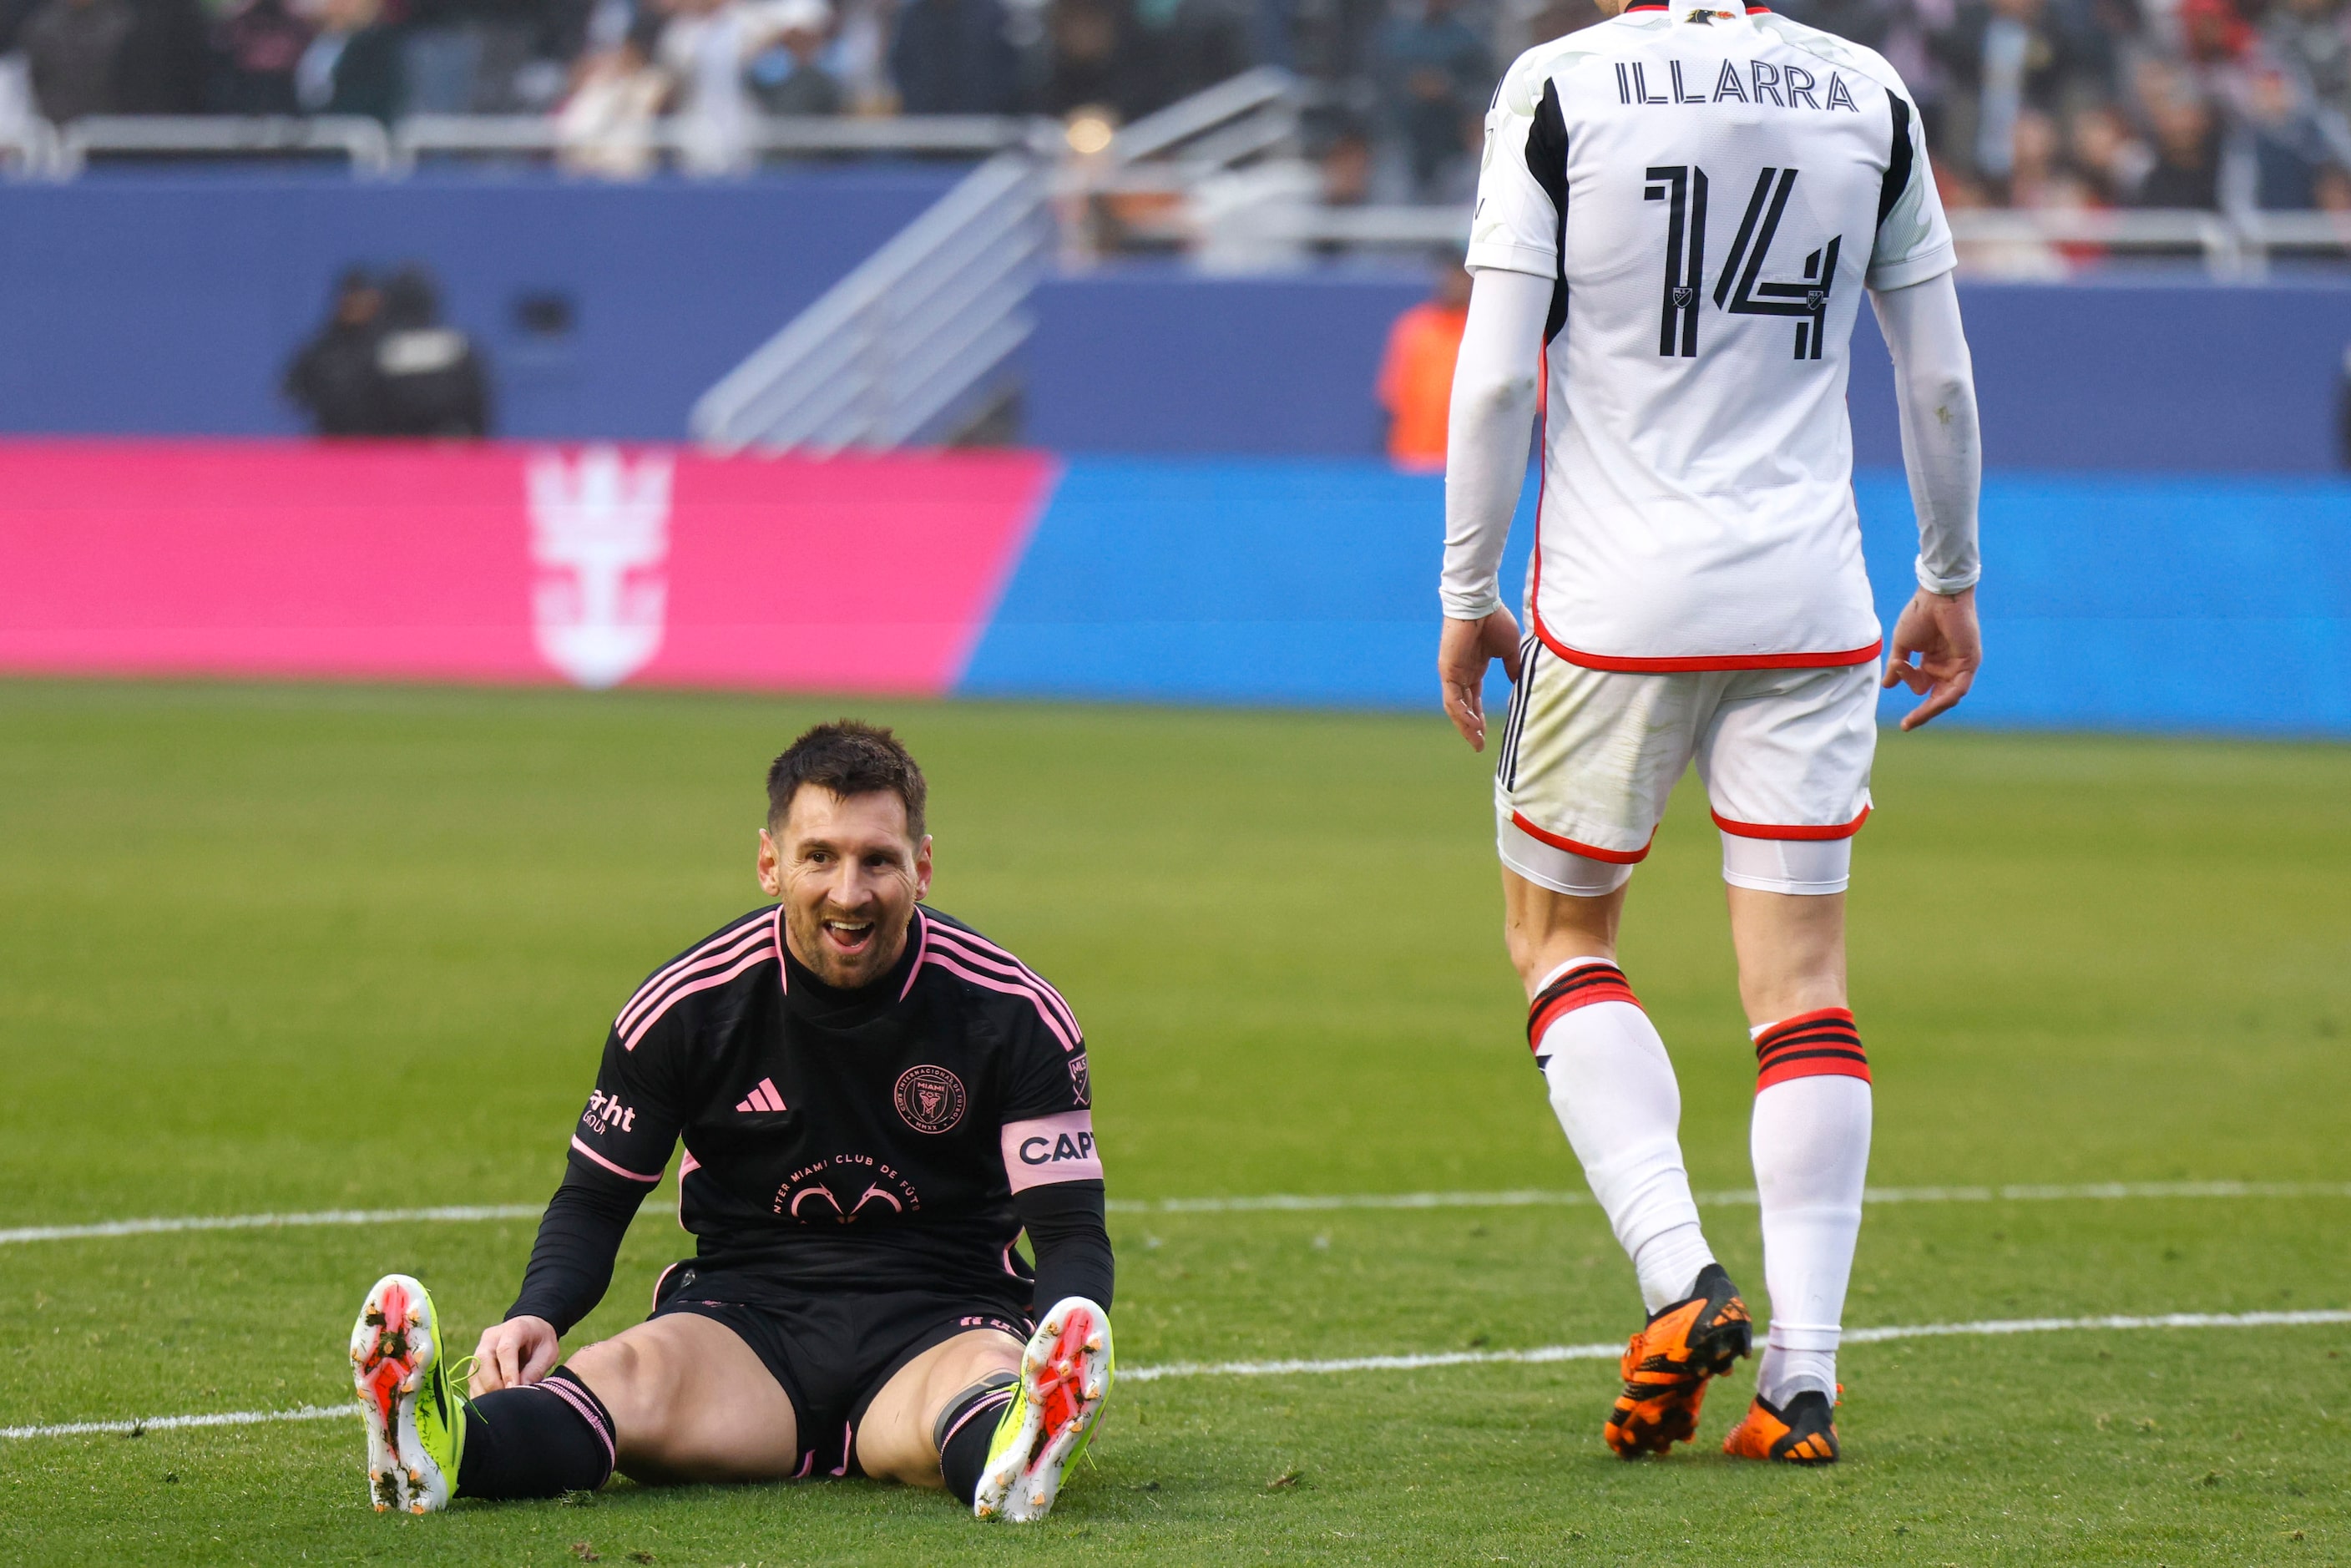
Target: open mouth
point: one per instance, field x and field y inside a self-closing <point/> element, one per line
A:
<point x="848" y="936"/>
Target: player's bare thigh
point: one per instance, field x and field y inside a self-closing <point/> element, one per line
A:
<point x="1790" y="949"/>
<point x="893" y="1441"/>
<point x="690" y="1402"/>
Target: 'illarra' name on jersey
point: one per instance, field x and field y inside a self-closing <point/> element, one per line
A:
<point x="1782" y="86"/>
<point x="1710" y="192"/>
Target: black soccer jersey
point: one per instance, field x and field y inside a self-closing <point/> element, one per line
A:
<point x="865" y="1140"/>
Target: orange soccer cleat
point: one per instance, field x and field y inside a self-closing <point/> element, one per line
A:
<point x="1801" y="1432"/>
<point x="1667" y="1363"/>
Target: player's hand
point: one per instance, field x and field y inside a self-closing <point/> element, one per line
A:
<point x="1462" y="654"/>
<point x="1941" y="630"/>
<point x="515" y="1354"/>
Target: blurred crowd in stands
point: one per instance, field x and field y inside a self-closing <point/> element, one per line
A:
<point x="2205" y="104"/>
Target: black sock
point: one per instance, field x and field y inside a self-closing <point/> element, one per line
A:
<point x="549" y="1438"/>
<point x="966" y="1427"/>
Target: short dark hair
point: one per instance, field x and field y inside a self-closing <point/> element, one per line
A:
<point x="848" y="757"/>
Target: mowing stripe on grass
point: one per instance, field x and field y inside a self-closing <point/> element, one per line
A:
<point x="1274" y="1203"/>
<point x="1530" y="1198"/>
<point x="1615" y="1349"/>
<point x="1540" y="1353"/>
<point x="270" y="1221"/>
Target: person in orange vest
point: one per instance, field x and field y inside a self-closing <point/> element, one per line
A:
<point x="1416" y="384"/>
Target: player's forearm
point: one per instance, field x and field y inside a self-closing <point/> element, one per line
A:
<point x="1487" y="426"/>
<point x="572" y="1262"/>
<point x="1934" y="382"/>
<point x="1068" y="1231"/>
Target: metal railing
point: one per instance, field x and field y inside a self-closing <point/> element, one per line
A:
<point x="361" y="142"/>
<point x="891" y="353"/>
<point x="543" y="136"/>
<point x="371" y="150"/>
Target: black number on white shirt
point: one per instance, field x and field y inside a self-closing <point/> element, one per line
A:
<point x="1684" y="185"/>
<point x="1741" y="289"/>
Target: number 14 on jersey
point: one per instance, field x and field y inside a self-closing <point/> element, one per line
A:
<point x="1740" y="287"/>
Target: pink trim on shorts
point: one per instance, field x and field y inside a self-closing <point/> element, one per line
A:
<point x="1048" y="1149"/>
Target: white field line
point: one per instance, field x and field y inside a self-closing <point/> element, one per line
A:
<point x="1540" y="1353"/>
<point x="1268" y="1203"/>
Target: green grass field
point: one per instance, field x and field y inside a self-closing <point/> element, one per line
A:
<point x="293" y="949"/>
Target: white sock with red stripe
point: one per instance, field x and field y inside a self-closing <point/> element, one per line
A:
<point x="1811" y="1147"/>
<point x="1612" y="1089"/>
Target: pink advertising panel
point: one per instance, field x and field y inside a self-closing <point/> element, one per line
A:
<point x="594" y="564"/>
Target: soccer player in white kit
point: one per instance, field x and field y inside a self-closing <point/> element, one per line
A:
<point x="1678" y="213"/>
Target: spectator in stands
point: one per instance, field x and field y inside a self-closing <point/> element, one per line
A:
<point x="1095" y="58"/>
<point x="258" y="44"/>
<point x="2186" y="171"/>
<point x="1439" y="76"/>
<point x="73" y="47"/>
<point x="789" y="75"/>
<point x="955" y="57"/>
<point x="2109" y="157"/>
<point x="2006" y="56"/>
<point x="333" y="377"/>
<point x="606" y="126"/>
<point x="353" y="65"/>
<point x="160" y="69"/>
<point x="2312" y="40"/>
<point x="1207" y="42"/>
<point x="704" y="49"/>
<point x="1415" y="384"/>
<point x="429" y="375"/>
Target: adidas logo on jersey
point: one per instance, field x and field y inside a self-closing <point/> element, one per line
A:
<point x="763" y="1098"/>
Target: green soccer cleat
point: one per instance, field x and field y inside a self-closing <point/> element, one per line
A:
<point x="415" y="1420"/>
<point x="1065" y="1376"/>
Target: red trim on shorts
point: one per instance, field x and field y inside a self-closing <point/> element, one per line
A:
<point x="1770" y="830"/>
<point x="1683" y="663"/>
<point x="1590" y="851"/>
<point x="1819" y="1044"/>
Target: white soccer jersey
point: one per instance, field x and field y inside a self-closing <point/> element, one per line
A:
<point x="1710" y="191"/>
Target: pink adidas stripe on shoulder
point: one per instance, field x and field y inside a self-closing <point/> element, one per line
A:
<point x="1001" y="959"/>
<point x="720" y="949"/>
<point x="947" y="961"/>
<point x="686" y="987"/>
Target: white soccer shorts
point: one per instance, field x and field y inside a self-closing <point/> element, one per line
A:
<point x="1589" y="757"/>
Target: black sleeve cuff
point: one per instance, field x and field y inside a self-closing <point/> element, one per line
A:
<point x="1068" y="1231"/>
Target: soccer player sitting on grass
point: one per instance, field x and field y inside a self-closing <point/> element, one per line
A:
<point x="875" y="1100"/>
<point x="1678" y="214"/>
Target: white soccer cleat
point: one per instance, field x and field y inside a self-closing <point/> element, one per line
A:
<point x="1065" y="1376"/>
<point x="415" y="1423"/>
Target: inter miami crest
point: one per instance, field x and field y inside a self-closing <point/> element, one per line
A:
<point x="930" y="1099"/>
